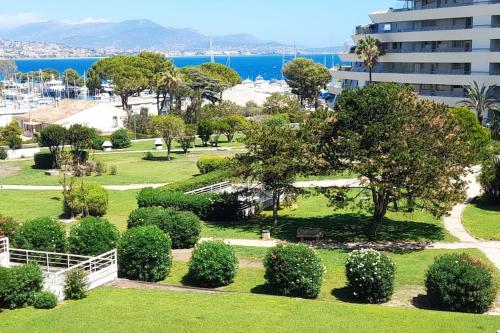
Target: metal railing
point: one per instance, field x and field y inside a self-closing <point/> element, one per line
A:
<point x="4" y="245"/>
<point x="447" y="5"/>
<point x="436" y="50"/>
<point x="50" y="262"/>
<point x="94" y="264"/>
<point x="212" y="188"/>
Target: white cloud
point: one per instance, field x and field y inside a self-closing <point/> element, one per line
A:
<point x="18" y="19"/>
<point x="91" y="20"/>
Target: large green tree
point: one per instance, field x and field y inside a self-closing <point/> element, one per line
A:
<point x="226" y="75"/>
<point x="169" y="128"/>
<point x="275" y="156"/>
<point x="306" y="78"/>
<point x="402" y="148"/>
<point x="54" y="137"/>
<point x="160" y="70"/>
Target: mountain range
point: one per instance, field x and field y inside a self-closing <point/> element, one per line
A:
<point x="132" y="35"/>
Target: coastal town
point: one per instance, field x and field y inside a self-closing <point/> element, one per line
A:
<point x="160" y="179"/>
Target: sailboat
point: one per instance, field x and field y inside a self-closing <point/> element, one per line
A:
<point x="212" y="58"/>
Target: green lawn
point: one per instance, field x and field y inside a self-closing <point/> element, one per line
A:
<point x="24" y="205"/>
<point x="346" y="224"/>
<point x="121" y="310"/>
<point x="411" y="268"/>
<point x="149" y="144"/>
<point x="482" y="220"/>
<point x="132" y="169"/>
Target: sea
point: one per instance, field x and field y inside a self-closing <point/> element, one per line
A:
<point x="249" y="67"/>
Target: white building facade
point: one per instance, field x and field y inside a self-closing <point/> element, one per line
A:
<point x="438" y="46"/>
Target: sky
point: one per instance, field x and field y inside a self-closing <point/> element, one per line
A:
<point x="309" y="23"/>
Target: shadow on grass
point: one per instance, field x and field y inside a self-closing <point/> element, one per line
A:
<point x="339" y="228"/>
<point x="422" y="301"/>
<point x="486" y="205"/>
<point x="263" y="289"/>
<point x="345" y="294"/>
<point x="160" y="158"/>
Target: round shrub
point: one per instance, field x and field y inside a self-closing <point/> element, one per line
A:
<point x="45" y="300"/>
<point x="8" y="226"/>
<point x="144" y="254"/>
<point x="75" y="286"/>
<point x="458" y="282"/>
<point x="3" y="153"/>
<point x="92" y="237"/>
<point x="294" y="270"/>
<point x="209" y="164"/>
<point x="44" y="161"/>
<point x="41" y="234"/>
<point x="120" y="139"/>
<point x="184" y="228"/>
<point x="213" y="264"/>
<point x="370" y="275"/>
<point x="20" y="284"/>
<point x="87" y="199"/>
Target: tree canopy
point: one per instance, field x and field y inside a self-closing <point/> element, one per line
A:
<point x="306" y="78"/>
<point x="226" y="75"/>
<point x="168" y="127"/>
<point x="403" y="148"/>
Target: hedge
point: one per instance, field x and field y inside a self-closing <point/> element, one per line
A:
<point x="45" y="300"/>
<point x="184" y="228"/>
<point x="43" y="161"/>
<point x="213" y="264"/>
<point x="209" y="207"/>
<point x="20" y="284"/>
<point x="198" y="182"/>
<point x="93" y="236"/>
<point x="210" y="164"/>
<point x="41" y="234"/>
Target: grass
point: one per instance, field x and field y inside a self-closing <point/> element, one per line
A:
<point x="132" y="169"/>
<point x="149" y="144"/>
<point x="25" y="205"/>
<point x="347" y="224"/>
<point x="121" y="310"/>
<point x="482" y="220"/>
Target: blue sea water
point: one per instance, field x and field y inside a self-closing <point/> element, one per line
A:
<point x="249" y="67"/>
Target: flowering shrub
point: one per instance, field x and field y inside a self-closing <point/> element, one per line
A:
<point x="213" y="264"/>
<point x="8" y="226"/>
<point x="370" y="274"/>
<point x="41" y="234"/>
<point x="294" y="270"/>
<point x="458" y="282"/>
<point x="93" y="236"/>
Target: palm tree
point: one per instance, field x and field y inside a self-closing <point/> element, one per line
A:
<point x="481" y="100"/>
<point x="172" y="80"/>
<point x="369" y="50"/>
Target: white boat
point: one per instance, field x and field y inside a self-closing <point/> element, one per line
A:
<point x="54" y="87"/>
<point x="259" y="80"/>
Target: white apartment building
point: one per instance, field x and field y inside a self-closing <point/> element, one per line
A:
<point x="439" y="46"/>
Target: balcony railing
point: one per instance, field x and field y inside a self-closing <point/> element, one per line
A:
<point x="365" y="30"/>
<point x="412" y="71"/>
<point x="447" y="5"/>
<point x="430" y="50"/>
<point x="436" y="93"/>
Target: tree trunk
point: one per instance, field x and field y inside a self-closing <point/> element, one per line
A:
<point x="275" y="207"/>
<point x="158" y="102"/>
<point x="381" y="202"/>
<point x="124" y="99"/>
<point x="169" y="148"/>
<point x="370" y="70"/>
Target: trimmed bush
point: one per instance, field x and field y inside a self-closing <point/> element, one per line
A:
<point x="209" y="164"/>
<point x="44" y="161"/>
<point x="458" y="282"/>
<point x="184" y="228"/>
<point x="370" y="275"/>
<point x="8" y="226"/>
<point x="198" y="182"/>
<point x="209" y="207"/>
<point x="20" y="284"/>
<point x="75" y="287"/>
<point x="144" y="254"/>
<point x="294" y="270"/>
<point x="87" y="199"/>
<point x="93" y="236"/>
<point x="41" y="234"/>
<point x="213" y="264"/>
<point x="120" y="139"/>
<point x="3" y="153"/>
<point x="45" y="300"/>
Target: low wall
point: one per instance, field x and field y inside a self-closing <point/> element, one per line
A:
<point x="4" y="259"/>
<point x="22" y="153"/>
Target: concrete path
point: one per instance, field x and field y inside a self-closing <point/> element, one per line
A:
<point x="60" y="188"/>
<point x="328" y="183"/>
<point x="247" y="242"/>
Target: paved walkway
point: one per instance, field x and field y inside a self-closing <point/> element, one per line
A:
<point x="60" y="188"/>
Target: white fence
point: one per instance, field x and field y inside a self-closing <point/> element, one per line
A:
<point x="100" y="270"/>
<point x="216" y="188"/>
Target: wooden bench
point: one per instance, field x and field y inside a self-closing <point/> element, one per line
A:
<point x="309" y="233"/>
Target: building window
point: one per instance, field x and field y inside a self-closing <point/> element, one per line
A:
<point x="115" y="121"/>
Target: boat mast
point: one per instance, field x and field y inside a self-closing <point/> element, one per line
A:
<point x="212" y="58"/>
<point x="332" y="49"/>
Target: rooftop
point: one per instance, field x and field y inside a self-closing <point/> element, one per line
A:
<point x="64" y="109"/>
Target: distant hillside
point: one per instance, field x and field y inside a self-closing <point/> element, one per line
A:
<point x="130" y="35"/>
